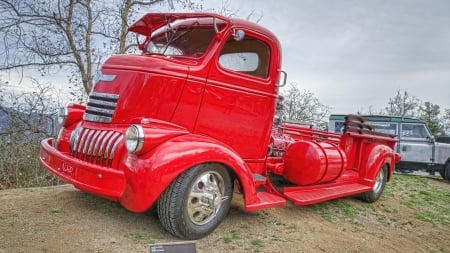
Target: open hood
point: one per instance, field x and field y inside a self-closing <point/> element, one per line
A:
<point x="152" y="21"/>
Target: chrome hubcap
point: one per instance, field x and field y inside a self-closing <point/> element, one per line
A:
<point x="379" y="181"/>
<point x="206" y="197"/>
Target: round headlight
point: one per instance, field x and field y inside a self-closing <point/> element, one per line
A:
<point x="62" y="115"/>
<point x="134" y="138"/>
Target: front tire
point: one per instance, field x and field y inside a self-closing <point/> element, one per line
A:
<point x="196" y="202"/>
<point x="378" y="187"/>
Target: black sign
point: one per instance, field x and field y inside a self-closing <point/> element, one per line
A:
<point x="176" y="247"/>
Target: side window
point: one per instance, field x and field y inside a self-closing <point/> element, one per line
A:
<point x="387" y="128"/>
<point x="240" y="62"/>
<point x="414" y="131"/>
<point x="249" y="56"/>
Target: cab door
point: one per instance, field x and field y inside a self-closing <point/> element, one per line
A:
<point x="238" y="105"/>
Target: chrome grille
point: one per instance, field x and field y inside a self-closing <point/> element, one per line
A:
<point x="95" y="146"/>
<point x="101" y="107"/>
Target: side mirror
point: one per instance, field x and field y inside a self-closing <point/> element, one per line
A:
<point x="238" y="35"/>
<point x="432" y="139"/>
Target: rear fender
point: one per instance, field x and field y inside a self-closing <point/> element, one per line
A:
<point x="150" y="174"/>
<point x="378" y="155"/>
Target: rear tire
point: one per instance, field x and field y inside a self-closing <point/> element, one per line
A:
<point x="447" y="172"/>
<point x="196" y="202"/>
<point x="443" y="174"/>
<point x="378" y="187"/>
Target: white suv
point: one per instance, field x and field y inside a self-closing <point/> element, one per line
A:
<point x="418" y="148"/>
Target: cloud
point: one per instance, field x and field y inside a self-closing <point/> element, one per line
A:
<point x="356" y="54"/>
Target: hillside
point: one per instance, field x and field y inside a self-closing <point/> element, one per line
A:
<point x="412" y="216"/>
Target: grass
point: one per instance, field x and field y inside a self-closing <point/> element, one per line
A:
<point x="8" y="215"/>
<point x="258" y="243"/>
<point x="232" y="237"/>
<point x="143" y="237"/>
<point x="428" y="202"/>
<point x="337" y="209"/>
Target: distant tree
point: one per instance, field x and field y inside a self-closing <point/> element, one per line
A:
<point x="370" y="111"/>
<point x="446" y="121"/>
<point x="429" y="113"/>
<point x="303" y="106"/>
<point x="402" y="105"/>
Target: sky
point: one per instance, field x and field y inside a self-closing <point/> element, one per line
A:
<point x="356" y="54"/>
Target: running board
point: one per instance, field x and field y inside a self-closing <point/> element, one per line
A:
<point x="266" y="199"/>
<point x="308" y="196"/>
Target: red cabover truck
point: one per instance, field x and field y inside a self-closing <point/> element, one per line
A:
<point x="191" y="117"/>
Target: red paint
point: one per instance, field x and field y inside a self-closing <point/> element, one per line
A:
<point x="193" y="111"/>
<point x="310" y="162"/>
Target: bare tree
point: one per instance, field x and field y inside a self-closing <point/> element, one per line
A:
<point x="26" y="117"/>
<point x="402" y="105"/>
<point x="76" y="35"/>
<point x="303" y="106"/>
<point x="370" y="111"/>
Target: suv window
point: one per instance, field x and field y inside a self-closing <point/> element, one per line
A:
<point x="387" y="128"/>
<point x="414" y="131"/>
<point x="249" y="56"/>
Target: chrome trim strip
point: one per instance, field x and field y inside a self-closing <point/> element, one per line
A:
<point x="75" y="138"/>
<point x="93" y="142"/>
<point x="88" y="140"/>
<point x="83" y="137"/>
<point x="104" y="95"/>
<point x="108" y="146"/>
<point x="101" y="102"/>
<point x="97" y="118"/>
<point x="116" y="144"/>
<point x="96" y="105"/>
<point x="100" y="110"/>
<point x="97" y="143"/>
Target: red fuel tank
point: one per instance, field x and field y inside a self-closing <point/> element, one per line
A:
<point x="310" y="162"/>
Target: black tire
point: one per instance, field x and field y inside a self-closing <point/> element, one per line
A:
<point x="443" y="174"/>
<point x="196" y="202"/>
<point x="378" y="188"/>
<point x="447" y="172"/>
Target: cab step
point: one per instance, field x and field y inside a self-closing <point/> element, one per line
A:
<point x="311" y="195"/>
<point x="259" y="179"/>
<point x="266" y="199"/>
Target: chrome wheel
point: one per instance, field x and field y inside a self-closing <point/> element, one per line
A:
<point x="206" y="197"/>
<point x="378" y="186"/>
<point x="379" y="181"/>
<point x="196" y="202"/>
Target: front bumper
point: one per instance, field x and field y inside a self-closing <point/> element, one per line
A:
<point x="101" y="181"/>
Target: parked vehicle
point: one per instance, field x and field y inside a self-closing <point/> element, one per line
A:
<point x="418" y="148"/>
<point x="181" y="124"/>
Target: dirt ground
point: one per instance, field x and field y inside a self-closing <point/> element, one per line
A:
<point x="63" y="219"/>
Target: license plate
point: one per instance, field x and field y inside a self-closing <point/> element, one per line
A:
<point x="67" y="169"/>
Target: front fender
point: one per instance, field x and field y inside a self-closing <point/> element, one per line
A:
<point x="378" y="155"/>
<point x="150" y="174"/>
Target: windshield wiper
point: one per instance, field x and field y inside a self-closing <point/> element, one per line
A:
<point x="172" y="40"/>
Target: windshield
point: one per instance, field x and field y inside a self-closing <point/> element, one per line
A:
<point x="187" y="37"/>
